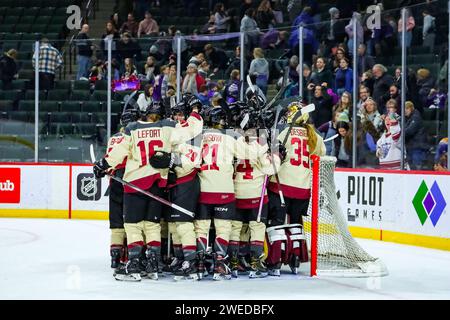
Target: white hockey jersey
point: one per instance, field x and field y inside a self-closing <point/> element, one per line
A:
<point x="389" y="149"/>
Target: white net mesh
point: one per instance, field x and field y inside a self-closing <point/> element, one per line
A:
<point x="337" y="251"/>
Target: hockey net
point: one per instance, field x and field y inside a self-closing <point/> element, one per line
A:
<point x="333" y="251"/>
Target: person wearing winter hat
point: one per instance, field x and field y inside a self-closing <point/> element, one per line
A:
<point x="192" y="80"/>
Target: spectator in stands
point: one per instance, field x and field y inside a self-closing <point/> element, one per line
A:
<point x="410" y="24"/>
<point x="157" y="92"/>
<point x="235" y="61"/>
<point x="327" y="130"/>
<point x="169" y="81"/>
<point x="294" y="8"/>
<point x="265" y="16"/>
<point x="365" y="62"/>
<point x="369" y="112"/>
<point x="129" y="69"/>
<point x="415" y="137"/>
<point x="116" y="21"/>
<point x="203" y="70"/>
<point x="203" y="95"/>
<point x="345" y="104"/>
<point x="364" y="94"/>
<point x="50" y="60"/>
<point x="192" y="80"/>
<point x="389" y="145"/>
<point x="150" y="69"/>
<point x="359" y="34"/>
<point x="260" y="68"/>
<point x="127" y="47"/>
<point x="198" y="59"/>
<point x="97" y="71"/>
<point x="436" y="99"/>
<point x="425" y="82"/>
<point x="231" y="92"/>
<point x="344" y="78"/>
<point x="335" y="58"/>
<point x="310" y="43"/>
<point x="148" y="26"/>
<point x="110" y="34"/>
<point x="210" y="26"/>
<point x="222" y="20"/>
<point x="324" y="106"/>
<point x="246" y="4"/>
<point x="8" y="68"/>
<point x="85" y="50"/>
<point x="366" y="137"/>
<point x="398" y="77"/>
<point x="321" y="76"/>
<point x="251" y="30"/>
<point x="277" y="9"/>
<point x="146" y="98"/>
<point x="394" y="94"/>
<point x="334" y="30"/>
<point x="274" y="39"/>
<point x="131" y="26"/>
<point x="440" y="160"/>
<point x="381" y="84"/>
<point x="343" y="145"/>
<point x="367" y="80"/>
<point x="217" y="58"/>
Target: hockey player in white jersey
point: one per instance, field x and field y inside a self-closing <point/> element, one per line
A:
<point x="300" y="141"/>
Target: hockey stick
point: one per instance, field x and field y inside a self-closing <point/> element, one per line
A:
<point x="151" y="195"/>
<point x="331" y="138"/>
<point x="266" y="177"/>
<point x="282" y="89"/>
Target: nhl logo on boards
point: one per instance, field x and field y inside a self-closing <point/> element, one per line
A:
<point x="88" y="188"/>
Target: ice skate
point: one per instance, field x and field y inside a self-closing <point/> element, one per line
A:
<point x="152" y="266"/>
<point x="201" y="267"/>
<point x="236" y="267"/>
<point x="258" y="268"/>
<point x="221" y="269"/>
<point x="294" y="264"/>
<point x="275" y="271"/>
<point x="129" y="272"/>
<point x="116" y="254"/>
<point x="187" y="271"/>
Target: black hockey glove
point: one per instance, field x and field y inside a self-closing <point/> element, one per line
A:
<point x="280" y="150"/>
<point x="161" y="160"/>
<point x="100" y="168"/>
<point x="172" y="177"/>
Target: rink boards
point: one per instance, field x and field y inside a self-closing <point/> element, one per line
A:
<point x="409" y="207"/>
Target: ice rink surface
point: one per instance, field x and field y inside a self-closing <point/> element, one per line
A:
<point x="69" y="259"/>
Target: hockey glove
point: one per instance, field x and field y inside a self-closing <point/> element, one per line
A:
<point x="100" y="168"/>
<point x="171" y="178"/>
<point x="280" y="150"/>
<point x="161" y="160"/>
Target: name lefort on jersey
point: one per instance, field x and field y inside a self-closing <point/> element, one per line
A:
<point x="149" y="133"/>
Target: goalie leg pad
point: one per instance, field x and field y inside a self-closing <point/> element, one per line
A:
<point x="277" y="243"/>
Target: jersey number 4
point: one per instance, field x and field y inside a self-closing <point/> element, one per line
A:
<point x="300" y="151"/>
<point x="151" y="150"/>
<point x="246" y="168"/>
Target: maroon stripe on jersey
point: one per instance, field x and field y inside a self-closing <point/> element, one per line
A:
<point x="177" y="245"/>
<point x="196" y="115"/>
<point x="243" y="243"/>
<point x="291" y="192"/>
<point x="186" y="178"/>
<point x="250" y="203"/>
<point x="216" y="198"/>
<point x="202" y="240"/>
<point x="391" y="165"/>
<point x="145" y="183"/>
<point x="234" y="243"/>
<point x="135" y="244"/>
<point x="257" y="243"/>
<point x="154" y="244"/>
<point x="221" y="241"/>
<point x="193" y="248"/>
<point x="116" y="246"/>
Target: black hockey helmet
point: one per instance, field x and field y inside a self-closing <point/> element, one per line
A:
<point x="129" y="115"/>
<point x="154" y="108"/>
<point x="178" y="107"/>
<point x="194" y="102"/>
<point x="218" y="116"/>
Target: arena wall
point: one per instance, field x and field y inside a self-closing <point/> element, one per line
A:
<point x="409" y="207"/>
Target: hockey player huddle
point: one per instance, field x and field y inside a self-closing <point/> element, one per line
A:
<point x="242" y="187"/>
